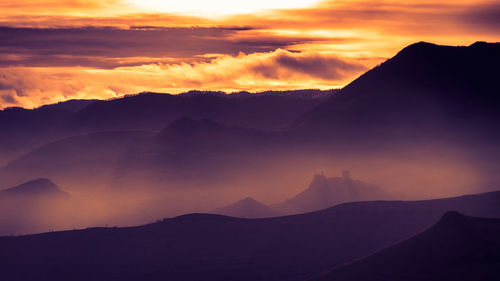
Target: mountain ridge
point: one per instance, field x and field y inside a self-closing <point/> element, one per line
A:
<point x="324" y="191"/>
<point x="424" y="90"/>
<point x="221" y="248"/>
<point x="247" y="208"/>
<point x="457" y="247"/>
<point x="36" y="187"/>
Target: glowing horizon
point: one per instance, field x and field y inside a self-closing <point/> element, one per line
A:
<point x="216" y="8"/>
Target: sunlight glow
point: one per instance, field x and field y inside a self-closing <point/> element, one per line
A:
<point x="218" y="7"/>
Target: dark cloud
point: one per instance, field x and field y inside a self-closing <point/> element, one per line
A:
<point x="484" y="16"/>
<point x="109" y="47"/>
<point x="316" y="65"/>
<point x="284" y="64"/>
<point x="8" y="99"/>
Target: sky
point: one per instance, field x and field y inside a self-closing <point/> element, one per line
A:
<point x="55" y="50"/>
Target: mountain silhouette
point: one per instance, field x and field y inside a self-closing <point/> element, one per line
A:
<point x="72" y="106"/>
<point x="456" y="248"/>
<point x="247" y="208"/>
<point x="200" y="150"/>
<point x="187" y="129"/>
<point x="151" y="111"/>
<point x="424" y="91"/>
<point x="214" y="247"/>
<point x="209" y="136"/>
<point x="25" y="129"/>
<point x="36" y="188"/>
<point x="324" y="192"/>
<point x="88" y="159"/>
<point x="185" y="148"/>
<point x="34" y="206"/>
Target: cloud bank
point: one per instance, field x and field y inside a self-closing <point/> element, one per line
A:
<point x="279" y="69"/>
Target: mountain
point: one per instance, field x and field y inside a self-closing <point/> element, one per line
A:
<point x="184" y="149"/>
<point x="425" y="91"/>
<point x="71" y="106"/>
<point x="324" y="192"/>
<point x="200" y="151"/>
<point x="151" y="111"/>
<point x="247" y="208"/>
<point x="34" y="206"/>
<point x="25" y="129"/>
<point x="214" y="247"/>
<point x="456" y="248"/>
<point x="89" y="160"/>
<point x="199" y="133"/>
<point x="36" y="188"/>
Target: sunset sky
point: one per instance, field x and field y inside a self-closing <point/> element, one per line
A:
<point x="54" y="50"/>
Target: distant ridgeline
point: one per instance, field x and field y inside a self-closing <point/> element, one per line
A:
<point x="323" y="192"/>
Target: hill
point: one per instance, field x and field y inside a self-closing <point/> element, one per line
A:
<point x="213" y="247"/>
<point x="89" y="160"/>
<point x="425" y="91"/>
<point x="25" y="129"/>
<point x="247" y="208"/>
<point x="455" y="248"/>
<point x="324" y="192"/>
<point x="184" y="149"/>
<point x="151" y="111"/>
<point x="34" y="206"/>
<point x="36" y="188"/>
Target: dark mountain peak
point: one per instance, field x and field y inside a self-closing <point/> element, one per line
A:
<point x="72" y="106"/>
<point x="428" y="51"/>
<point x="422" y="53"/>
<point x="483" y="44"/>
<point x="247" y="208"/>
<point x="452" y="219"/>
<point x="418" y="46"/>
<point x="324" y="192"/>
<point x="248" y="202"/>
<point x="419" y="50"/>
<point x="426" y="90"/>
<point x="38" y="187"/>
<point x="453" y="59"/>
<point x="478" y="44"/>
<point x="320" y="181"/>
<point x="318" y="178"/>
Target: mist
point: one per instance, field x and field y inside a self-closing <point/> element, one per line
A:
<point x="114" y="198"/>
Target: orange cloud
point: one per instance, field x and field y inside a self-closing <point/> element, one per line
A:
<point x="59" y="6"/>
<point x="280" y="69"/>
